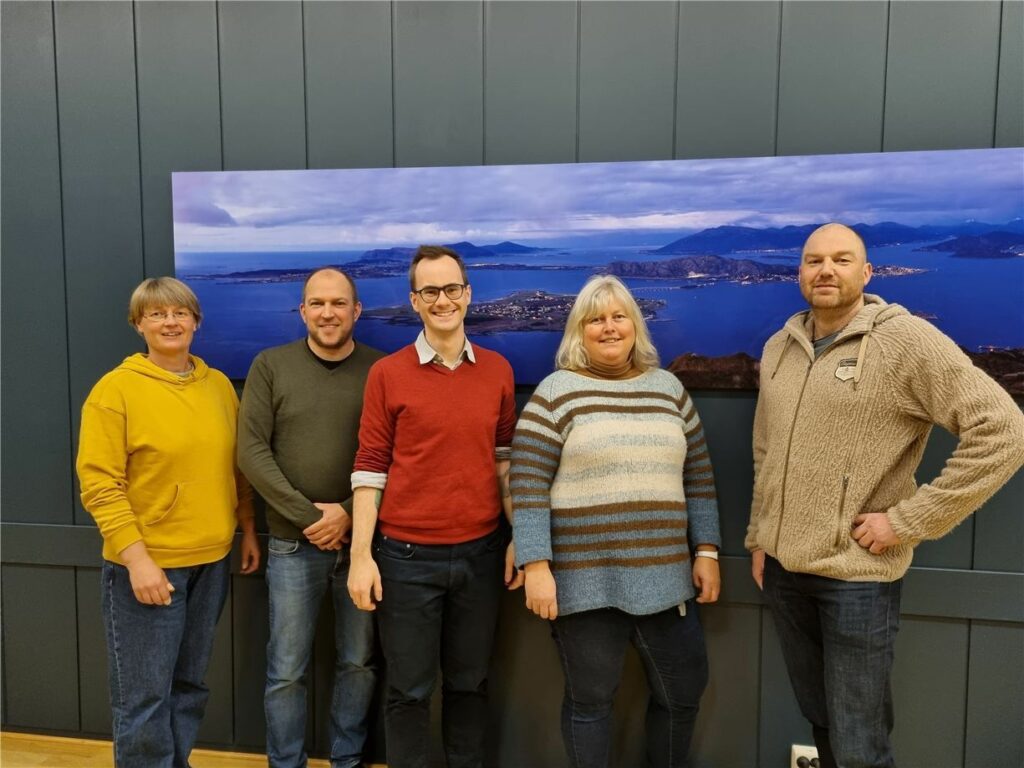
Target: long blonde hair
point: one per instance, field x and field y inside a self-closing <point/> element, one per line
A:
<point x="598" y="292"/>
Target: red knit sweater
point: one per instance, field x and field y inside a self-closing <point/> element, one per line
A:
<point x="434" y="431"/>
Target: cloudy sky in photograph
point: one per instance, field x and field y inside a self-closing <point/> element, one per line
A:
<point x="542" y="204"/>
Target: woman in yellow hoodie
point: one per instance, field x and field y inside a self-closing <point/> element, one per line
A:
<point x="156" y="463"/>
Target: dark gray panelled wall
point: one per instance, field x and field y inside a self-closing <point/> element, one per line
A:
<point x="102" y="100"/>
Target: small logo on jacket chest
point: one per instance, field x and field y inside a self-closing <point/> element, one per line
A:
<point x="846" y="368"/>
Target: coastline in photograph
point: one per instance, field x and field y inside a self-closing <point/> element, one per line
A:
<point x="709" y="248"/>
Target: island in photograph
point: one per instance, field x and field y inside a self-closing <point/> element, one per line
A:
<point x="710" y="248"/>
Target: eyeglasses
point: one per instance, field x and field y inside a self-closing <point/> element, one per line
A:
<point x="159" y="315"/>
<point x="431" y="293"/>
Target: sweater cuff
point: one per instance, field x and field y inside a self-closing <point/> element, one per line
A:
<point x="530" y="549"/>
<point x="903" y="529"/>
<point x="702" y="524"/>
<point x="364" y="479"/>
<point x="124" y="537"/>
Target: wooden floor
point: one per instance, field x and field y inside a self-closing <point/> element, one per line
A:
<point x="26" y="750"/>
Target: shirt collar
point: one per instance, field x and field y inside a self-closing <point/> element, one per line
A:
<point x="426" y="353"/>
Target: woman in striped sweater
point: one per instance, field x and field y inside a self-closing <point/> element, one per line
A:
<point x="616" y="525"/>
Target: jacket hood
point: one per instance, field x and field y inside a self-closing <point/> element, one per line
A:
<point x="139" y="363"/>
<point x="875" y="312"/>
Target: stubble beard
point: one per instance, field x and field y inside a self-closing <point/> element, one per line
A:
<point x="318" y="339"/>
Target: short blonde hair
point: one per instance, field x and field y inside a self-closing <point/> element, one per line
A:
<point x="162" y="292"/>
<point x="591" y="300"/>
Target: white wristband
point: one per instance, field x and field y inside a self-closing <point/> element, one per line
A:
<point x="713" y="554"/>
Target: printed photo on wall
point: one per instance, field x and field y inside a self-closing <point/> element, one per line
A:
<point x="710" y="248"/>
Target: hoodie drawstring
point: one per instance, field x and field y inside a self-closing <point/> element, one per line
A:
<point x="860" y="358"/>
<point x="778" y="363"/>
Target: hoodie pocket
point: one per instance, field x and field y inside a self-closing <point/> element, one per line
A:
<point x="157" y="518"/>
<point x="842" y="527"/>
<point x="201" y="515"/>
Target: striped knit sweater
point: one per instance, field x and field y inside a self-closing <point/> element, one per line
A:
<point x="612" y="482"/>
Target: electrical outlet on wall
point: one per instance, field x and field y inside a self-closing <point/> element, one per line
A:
<point x="803" y="756"/>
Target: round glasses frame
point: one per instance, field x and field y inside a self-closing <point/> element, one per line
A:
<point x="158" y="315"/>
<point x="432" y="293"/>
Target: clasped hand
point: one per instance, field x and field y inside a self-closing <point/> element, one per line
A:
<point x="332" y="529"/>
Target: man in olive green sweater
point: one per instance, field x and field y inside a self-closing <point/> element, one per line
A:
<point x="297" y="439"/>
<point x="849" y="392"/>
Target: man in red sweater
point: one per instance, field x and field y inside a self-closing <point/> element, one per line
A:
<point x="430" y="482"/>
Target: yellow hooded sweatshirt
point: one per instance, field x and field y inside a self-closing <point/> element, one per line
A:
<point x="156" y="462"/>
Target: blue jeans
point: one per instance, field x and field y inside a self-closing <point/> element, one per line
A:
<point x="157" y="657"/>
<point x="440" y="605"/>
<point x="298" y="574"/>
<point x="837" y="639"/>
<point x="592" y="647"/>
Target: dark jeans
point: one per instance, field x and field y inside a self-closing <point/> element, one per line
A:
<point x="837" y="639"/>
<point x="592" y="646"/>
<point x="440" y="605"/>
<point x="298" y="575"/>
<point x="157" y="656"/>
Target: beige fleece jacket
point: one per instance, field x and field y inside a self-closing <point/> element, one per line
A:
<point x="844" y="434"/>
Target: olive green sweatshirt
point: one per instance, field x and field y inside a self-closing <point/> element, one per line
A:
<point x="297" y="432"/>
<point x="843" y="433"/>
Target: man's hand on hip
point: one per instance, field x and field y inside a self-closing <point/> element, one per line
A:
<point x="873" y="531"/>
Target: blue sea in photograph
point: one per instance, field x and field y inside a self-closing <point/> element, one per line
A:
<point x="979" y="302"/>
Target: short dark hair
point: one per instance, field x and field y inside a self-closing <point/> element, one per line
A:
<point x="338" y="270"/>
<point x="434" y="252"/>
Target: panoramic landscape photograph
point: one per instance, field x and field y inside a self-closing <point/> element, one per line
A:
<point x="710" y="249"/>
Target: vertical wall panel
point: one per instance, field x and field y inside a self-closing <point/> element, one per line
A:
<point x="782" y="725"/>
<point x="530" y="671"/>
<point x="994" y="701"/>
<point x="940" y="88"/>
<point x="318" y="695"/>
<point x="929" y="678"/>
<point x="728" y="73"/>
<point x="39" y="641"/>
<point x="627" y="80"/>
<point x="99" y="143"/>
<point x="250" y="629"/>
<point x="218" y="722"/>
<point x="729" y="423"/>
<point x="530" y="82"/>
<point x="438" y="55"/>
<point x="831" y="77"/>
<point x="1010" y="94"/>
<point x="954" y="549"/>
<point x="999" y="530"/>
<point x="37" y="485"/>
<point x="261" y="69"/>
<point x="726" y="731"/>
<point x="93" y="682"/>
<point x="348" y="84"/>
<point x="179" y="111"/>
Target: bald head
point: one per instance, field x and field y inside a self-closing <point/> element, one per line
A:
<point x="834" y="232"/>
<point x="834" y="270"/>
<point x="328" y="271"/>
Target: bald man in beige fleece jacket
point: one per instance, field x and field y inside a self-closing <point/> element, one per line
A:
<point x="849" y="392"/>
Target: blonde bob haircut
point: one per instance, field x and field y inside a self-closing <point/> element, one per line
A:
<point x="157" y="292"/>
<point x="591" y="301"/>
